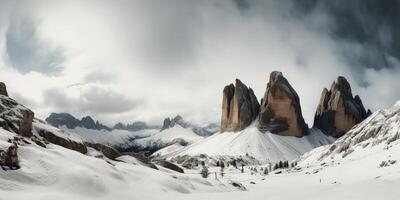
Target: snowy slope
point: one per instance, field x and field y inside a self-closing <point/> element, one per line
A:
<point x="113" y="138"/>
<point x="175" y="134"/>
<point x="379" y="133"/>
<point x="265" y="147"/>
<point x="57" y="172"/>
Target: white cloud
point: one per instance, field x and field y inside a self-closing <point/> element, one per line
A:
<point x="176" y="57"/>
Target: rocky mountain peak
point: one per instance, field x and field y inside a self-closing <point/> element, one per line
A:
<point x="3" y="89"/>
<point x="239" y="107"/>
<point x="280" y="108"/>
<point x="199" y="130"/>
<point x="88" y="122"/>
<point x="338" y="111"/>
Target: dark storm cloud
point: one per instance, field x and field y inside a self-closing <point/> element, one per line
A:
<point x="26" y="52"/>
<point x="369" y="31"/>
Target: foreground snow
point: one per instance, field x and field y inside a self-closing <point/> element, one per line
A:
<point x="56" y="172"/>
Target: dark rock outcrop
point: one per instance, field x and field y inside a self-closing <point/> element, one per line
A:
<point x="15" y="118"/>
<point x="338" y="111"/>
<point x="169" y="165"/>
<point x="61" y="141"/>
<point x="240" y="107"/>
<point x="107" y="151"/>
<point x="3" y="89"/>
<point x="280" y="108"/>
<point x="143" y="159"/>
<point x="9" y="157"/>
<point x="168" y="123"/>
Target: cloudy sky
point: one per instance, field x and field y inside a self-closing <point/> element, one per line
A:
<point x="146" y="60"/>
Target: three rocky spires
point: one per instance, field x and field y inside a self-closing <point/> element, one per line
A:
<point x="280" y="112"/>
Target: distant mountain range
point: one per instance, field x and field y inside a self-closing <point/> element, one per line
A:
<point x="71" y="122"/>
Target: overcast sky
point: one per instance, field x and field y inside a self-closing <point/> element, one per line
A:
<point x="147" y="60"/>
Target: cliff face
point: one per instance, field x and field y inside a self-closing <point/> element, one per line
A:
<point x="338" y="111"/>
<point x="280" y="108"/>
<point x="3" y="89"/>
<point x="239" y="107"/>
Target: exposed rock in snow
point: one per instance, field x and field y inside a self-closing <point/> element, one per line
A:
<point x="338" y="111"/>
<point x="240" y="107"/>
<point x="9" y="155"/>
<point x="3" y="89"/>
<point x="59" y="137"/>
<point x="280" y="108"/>
<point x="169" y="165"/>
<point x="107" y="151"/>
<point x="15" y="117"/>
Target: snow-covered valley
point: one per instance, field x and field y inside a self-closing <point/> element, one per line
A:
<point x="57" y="172"/>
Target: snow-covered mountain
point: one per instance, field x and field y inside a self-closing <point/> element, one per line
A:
<point x="250" y="142"/>
<point x="379" y="134"/>
<point x="137" y="137"/>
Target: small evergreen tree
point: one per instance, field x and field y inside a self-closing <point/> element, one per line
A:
<point x="266" y="171"/>
<point x="242" y="170"/>
<point x="204" y="172"/>
<point x="280" y="164"/>
<point x="217" y="163"/>
<point x="234" y="164"/>
<point x="276" y="166"/>
<point x="222" y="169"/>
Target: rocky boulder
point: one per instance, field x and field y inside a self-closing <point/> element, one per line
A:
<point x="240" y="107"/>
<point x="9" y="157"/>
<point x="338" y="111"/>
<point x="62" y="141"/>
<point x="107" y="151"/>
<point x="169" y="165"/>
<point x="280" y="108"/>
<point x="3" y="89"/>
<point x="15" y="117"/>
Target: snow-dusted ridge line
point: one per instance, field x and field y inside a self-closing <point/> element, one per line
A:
<point x="378" y="132"/>
<point x="265" y="147"/>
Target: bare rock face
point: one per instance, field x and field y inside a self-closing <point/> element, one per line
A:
<point x="280" y="108"/>
<point x="64" y="142"/>
<point x="239" y="107"/>
<point x="15" y="118"/>
<point x="338" y="111"/>
<point x="107" y="151"/>
<point x="3" y="89"/>
<point x="9" y="157"/>
<point x="170" y="165"/>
